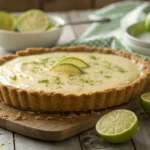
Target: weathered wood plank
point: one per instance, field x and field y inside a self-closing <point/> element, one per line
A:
<point x="91" y="141"/>
<point x="6" y="140"/>
<point x="79" y="16"/>
<point x="64" y="5"/>
<point x="142" y="137"/>
<point x="17" y="5"/>
<point x="25" y="143"/>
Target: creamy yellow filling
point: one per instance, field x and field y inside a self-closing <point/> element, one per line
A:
<point x="104" y="71"/>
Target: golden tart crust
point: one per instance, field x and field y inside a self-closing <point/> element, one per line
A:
<point x="57" y="102"/>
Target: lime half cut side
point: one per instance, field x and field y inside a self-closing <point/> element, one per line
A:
<point x="32" y="21"/>
<point x="117" y="126"/>
<point x="76" y="61"/>
<point x="7" y="21"/>
<point x="67" y="67"/>
<point x="145" y="102"/>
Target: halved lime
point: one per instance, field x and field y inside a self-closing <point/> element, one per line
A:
<point x="117" y="126"/>
<point x="7" y="21"/>
<point x="51" y="25"/>
<point x="67" y="67"/>
<point x="76" y="61"/>
<point x="147" y="22"/>
<point x="145" y="102"/>
<point x="32" y="21"/>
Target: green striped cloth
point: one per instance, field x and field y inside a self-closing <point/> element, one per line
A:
<point x="110" y="34"/>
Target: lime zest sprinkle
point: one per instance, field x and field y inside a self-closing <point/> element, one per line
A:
<point x="101" y="71"/>
<point x="84" y="80"/>
<point x="14" y="77"/>
<point x="43" y="81"/>
<point x="107" y="76"/>
<point x="107" y="64"/>
<point x="45" y="60"/>
<point x="120" y="69"/>
<point x="93" y="57"/>
<point x="57" y="80"/>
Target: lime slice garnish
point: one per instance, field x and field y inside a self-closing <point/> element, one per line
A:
<point x="117" y="126"/>
<point x="145" y="102"/>
<point x="32" y="21"/>
<point x="147" y="22"/>
<point x="76" y="61"/>
<point x="67" y="67"/>
<point x="7" y="21"/>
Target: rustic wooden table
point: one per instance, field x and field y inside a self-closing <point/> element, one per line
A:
<point x="87" y="140"/>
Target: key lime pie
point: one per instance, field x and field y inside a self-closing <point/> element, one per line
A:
<point x="71" y="78"/>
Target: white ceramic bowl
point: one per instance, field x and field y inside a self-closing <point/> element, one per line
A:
<point x="12" y="41"/>
<point x="132" y="39"/>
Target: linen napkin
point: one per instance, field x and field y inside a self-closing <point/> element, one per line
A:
<point x="110" y="34"/>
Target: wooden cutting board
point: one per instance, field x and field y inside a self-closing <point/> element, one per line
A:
<point x="54" y="127"/>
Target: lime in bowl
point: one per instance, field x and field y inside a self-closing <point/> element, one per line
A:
<point x="137" y="37"/>
<point x="30" y="29"/>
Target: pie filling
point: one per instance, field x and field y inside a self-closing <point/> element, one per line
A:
<point x="34" y="73"/>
